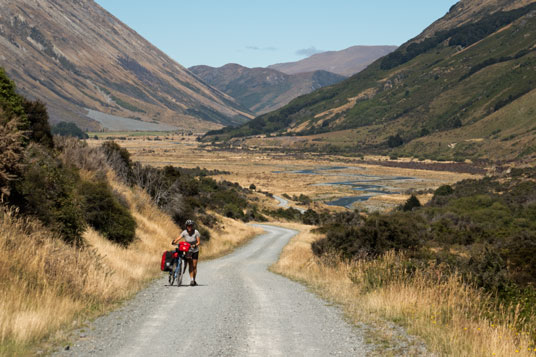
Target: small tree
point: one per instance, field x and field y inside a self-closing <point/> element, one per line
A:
<point x="395" y="141"/>
<point x="252" y="187"/>
<point x="411" y="203"/>
<point x="40" y="133"/>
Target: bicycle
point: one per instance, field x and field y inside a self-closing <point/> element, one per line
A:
<point x="179" y="263"/>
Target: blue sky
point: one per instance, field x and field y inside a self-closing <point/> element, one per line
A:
<point x="258" y="33"/>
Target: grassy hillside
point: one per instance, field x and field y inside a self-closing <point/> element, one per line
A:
<point x="464" y="92"/>
<point x="75" y="56"/>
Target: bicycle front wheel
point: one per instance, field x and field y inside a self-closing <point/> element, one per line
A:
<point x="182" y="268"/>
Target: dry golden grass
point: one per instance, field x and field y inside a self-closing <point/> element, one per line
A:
<point x="451" y="317"/>
<point x="48" y="286"/>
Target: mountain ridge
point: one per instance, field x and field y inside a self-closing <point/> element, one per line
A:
<point x="465" y="92"/>
<point x="346" y="62"/>
<point x="261" y="90"/>
<point x="75" y="55"/>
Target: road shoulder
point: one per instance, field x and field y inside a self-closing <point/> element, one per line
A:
<point x="330" y="281"/>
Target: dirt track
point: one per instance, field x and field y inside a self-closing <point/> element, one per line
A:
<point x="239" y="309"/>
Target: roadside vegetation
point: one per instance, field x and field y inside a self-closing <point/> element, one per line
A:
<point x="83" y="228"/>
<point x="458" y="271"/>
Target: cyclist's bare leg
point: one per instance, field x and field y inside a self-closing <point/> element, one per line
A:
<point x="194" y="273"/>
<point x="192" y="268"/>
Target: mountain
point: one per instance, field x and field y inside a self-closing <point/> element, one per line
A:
<point x="463" y="89"/>
<point x="345" y="62"/>
<point x="261" y="90"/>
<point x="74" y="56"/>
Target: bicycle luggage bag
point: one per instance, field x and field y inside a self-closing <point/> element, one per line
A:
<point x="184" y="246"/>
<point x="167" y="261"/>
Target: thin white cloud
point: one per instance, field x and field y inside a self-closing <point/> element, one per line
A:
<point x="257" y="48"/>
<point x="308" y="51"/>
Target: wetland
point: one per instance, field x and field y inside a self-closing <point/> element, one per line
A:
<point x="332" y="182"/>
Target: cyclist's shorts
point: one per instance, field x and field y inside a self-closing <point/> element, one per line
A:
<point x="195" y="255"/>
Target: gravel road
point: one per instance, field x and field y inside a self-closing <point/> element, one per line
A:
<point x="284" y="204"/>
<point x="238" y="309"/>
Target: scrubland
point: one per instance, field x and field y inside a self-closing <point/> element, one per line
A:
<point x="49" y="286"/>
<point x="451" y="317"/>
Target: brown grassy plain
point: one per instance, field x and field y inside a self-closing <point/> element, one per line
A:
<point x="273" y="172"/>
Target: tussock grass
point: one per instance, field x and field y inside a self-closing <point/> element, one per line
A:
<point x="452" y="318"/>
<point x="46" y="284"/>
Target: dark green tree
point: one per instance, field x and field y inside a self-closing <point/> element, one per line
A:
<point x="69" y="129"/>
<point x="37" y="115"/>
<point x="395" y="141"/>
<point x="411" y="203"/>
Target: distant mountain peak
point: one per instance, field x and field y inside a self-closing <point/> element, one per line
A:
<point x="262" y="89"/>
<point x="345" y="62"/>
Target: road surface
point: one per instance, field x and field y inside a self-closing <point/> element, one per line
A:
<point x="284" y="204"/>
<point x="238" y="309"/>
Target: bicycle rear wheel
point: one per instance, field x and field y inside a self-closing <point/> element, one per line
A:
<point x="172" y="274"/>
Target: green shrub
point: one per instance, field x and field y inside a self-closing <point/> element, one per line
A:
<point x="378" y="234"/>
<point x="205" y="234"/>
<point x="11" y="154"/>
<point x="444" y="190"/>
<point x="11" y="103"/>
<point x="106" y="214"/>
<point x="252" y="214"/>
<point x="290" y="214"/>
<point x="304" y="199"/>
<point x="119" y="160"/>
<point x="230" y="210"/>
<point x="310" y="217"/>
<point x="395" y="141"/>
<point x="47" y="190"/>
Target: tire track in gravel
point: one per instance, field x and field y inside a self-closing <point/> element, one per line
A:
<point x="239" y="309"/>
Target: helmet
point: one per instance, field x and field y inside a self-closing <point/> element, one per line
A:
<point x="190" y="223"/>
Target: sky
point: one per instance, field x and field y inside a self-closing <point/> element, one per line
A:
<point x="257" y="33"/>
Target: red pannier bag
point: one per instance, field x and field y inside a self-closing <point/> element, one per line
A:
<point x="167" y="260"/>
<point x="184" y="246"/>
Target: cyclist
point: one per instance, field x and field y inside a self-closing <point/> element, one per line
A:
<point x="192" y="236"/>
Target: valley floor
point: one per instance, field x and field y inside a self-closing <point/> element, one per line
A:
<point x="323" y="178"/>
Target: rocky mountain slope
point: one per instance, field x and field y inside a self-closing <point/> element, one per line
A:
<point x="262" y="89"/>
<point x="346" y="62"/>
<point x="74" y="55"/>
<point x="463" y="89"/>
